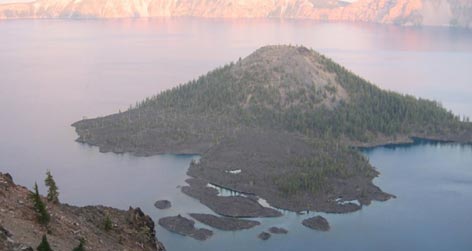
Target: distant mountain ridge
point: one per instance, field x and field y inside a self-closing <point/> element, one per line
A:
<point x="403" y="12"/>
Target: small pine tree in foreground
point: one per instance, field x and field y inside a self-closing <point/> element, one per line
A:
<point x="107" y="224"/>
<point x="44" y="245"/>
<point x="53" y="193"/>
<point x="39" y="206"/>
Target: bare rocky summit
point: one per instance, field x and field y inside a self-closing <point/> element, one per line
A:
<point x="19" y="230"/>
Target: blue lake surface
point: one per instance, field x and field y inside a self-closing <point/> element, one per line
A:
<point x="54" y="72"/>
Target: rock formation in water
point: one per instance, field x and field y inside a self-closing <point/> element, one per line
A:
<point x="278" y="230"/>
<point x="186" y="227"/>
<point x="317" y="223"/>
<point x="404" y="12"/>
<point x="264" y="236"/>
<point x="224" y="223"/>
<point x="19" y="229"/>
<point x="163" y="204"/>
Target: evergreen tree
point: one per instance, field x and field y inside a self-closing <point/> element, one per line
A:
<point x="44" y="245"/>
<point x="39" y="206"/>
<point x="53" y="193"/>
<point x="107" y="224"/>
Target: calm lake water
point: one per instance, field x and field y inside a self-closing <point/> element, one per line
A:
<point x="54" y="72"/>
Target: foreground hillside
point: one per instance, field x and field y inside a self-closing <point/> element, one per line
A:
<point x="19" y="229"/>
<point x="405" y="12"/>
<point x="278" y="124"/>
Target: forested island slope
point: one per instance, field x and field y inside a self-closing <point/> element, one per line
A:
<point x="278" y="124"/>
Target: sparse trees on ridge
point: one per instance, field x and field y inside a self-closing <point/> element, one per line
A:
<point x="44" y="245"/>
<point x="53" y="193"/>
<point x="107" y="223"/>
<point x="39" y="206"/>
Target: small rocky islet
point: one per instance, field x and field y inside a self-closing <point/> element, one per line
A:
<point x="229" y="206"/>
<point x="278" y="230"/>
<point x="264" y="236"/>
<point x="163" y="204"/>
<point x="317" y="223"/>
<point x="224" y="223"/>
<point x="184" y="226"/>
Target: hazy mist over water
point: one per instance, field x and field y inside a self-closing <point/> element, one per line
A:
<point x="54" y="72"/>
<point x="156" y="54"/>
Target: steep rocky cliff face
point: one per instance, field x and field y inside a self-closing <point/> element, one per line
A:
<point x="404" y="12"/>
<point x="19" y="230"/>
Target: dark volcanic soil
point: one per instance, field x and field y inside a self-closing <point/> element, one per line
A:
<point x="225" y="223"/>
<point x="317" y="223"/>
<point x="186" y="227"/>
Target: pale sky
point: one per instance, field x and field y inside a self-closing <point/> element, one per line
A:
<point x="14" y="1"/>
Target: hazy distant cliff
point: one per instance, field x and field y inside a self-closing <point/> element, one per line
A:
<point x="405" y="12"/>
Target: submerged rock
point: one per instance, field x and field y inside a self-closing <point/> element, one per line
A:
<point x="225" y="223"/>
<point x="278" y="230"/>
<point x="163" y="204"/>
<point x="317" y="223"/>
<point x="186" y="227"/>
<point x="264" y="236"/>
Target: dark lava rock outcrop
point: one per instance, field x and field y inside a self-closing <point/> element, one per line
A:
<point x="278" y="230"/>
<point x="186" y="227"/>
<point x="163" y="204"/>
<point x="264" y="236"/>
<point x="231" y="206"/>
<point x="317" y="223"/>
<point x="225" y="223"/>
